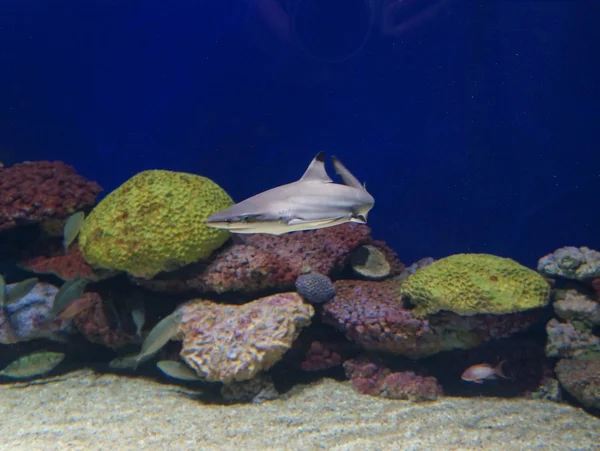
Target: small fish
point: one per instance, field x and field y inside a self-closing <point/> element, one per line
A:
<point x="138" y="314"/>
<point x="72" y="228"/>
<point x="177" y="370"/>
<point x="20" y="290"/>
<point x="155" y="340"/>
<point x="36" y="364"/>
<point x="483" y="371"/>
<point x="70" y="291"/>
<point x="313" y="202"/>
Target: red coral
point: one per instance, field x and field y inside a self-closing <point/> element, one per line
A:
<point x="34" y="191"/>
<point x="321" y="356"/>
<point x="372" y="377"/>
<point x="243" y="268"/>
<point x="268" y="262"/>
<point x="53" y="260"/>
<point x="93" y="322"/>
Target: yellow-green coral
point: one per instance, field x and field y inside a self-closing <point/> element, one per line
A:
<point x="154" y="222"/>
<point x="469" y="284"/>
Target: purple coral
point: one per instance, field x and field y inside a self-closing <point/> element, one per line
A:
<point x="373" y="315"/>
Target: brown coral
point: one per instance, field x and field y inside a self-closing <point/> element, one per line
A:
<point x="39" y="190"/>
<point x="226" y="343"/>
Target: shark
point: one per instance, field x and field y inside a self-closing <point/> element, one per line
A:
<point x="313" y="202"/>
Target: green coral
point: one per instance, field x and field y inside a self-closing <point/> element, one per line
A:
<point x="469" y="284"/>
<point x="154" y="222"/>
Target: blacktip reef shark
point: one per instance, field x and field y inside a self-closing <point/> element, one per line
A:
<point x="313" y="202"/>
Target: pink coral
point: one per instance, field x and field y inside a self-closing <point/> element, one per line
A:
<point x="372" y="377"/>
<point x="34" y="191"/>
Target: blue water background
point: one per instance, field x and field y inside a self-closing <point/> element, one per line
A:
<point x="480" y="132"/>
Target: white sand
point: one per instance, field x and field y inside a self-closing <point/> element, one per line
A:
<point x="92" y="412"/>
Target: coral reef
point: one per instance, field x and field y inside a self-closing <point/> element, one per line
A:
<point x="576" y="308"/>
<point x="579" y="263"/>
<point x="370" y="263"/>
<point x="566" y="341"/>
<point x="581" y="378"/>
<point x="267" y="262"/>
<point x="321" y="356"/>
<point x="28" y="318"/>
<point x="396" y="266"/>
<point x="154" y="222"/>
<point x="409" y="270"/>
<point x="50" y="258"/>
<point x="315" y="288"/>
<point x="226" y="343"/>
<point x="372" y="314"/>
<point x="93" y="322"/>
<point x="372" y="377"/>
<point x="36" y="191"/>
<point x="470" y="284"/>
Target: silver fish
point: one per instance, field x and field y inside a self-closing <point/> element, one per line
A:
<point x="20" y="290"/>
<point x="70" y="291"/>
<point x="72" y="228"/>
<point x="36" y="364"/>
<point x="138" y="314"/>
<point x="155" y="340"/>
<point x="177" y="370"/>
<point x="313" y="202"/>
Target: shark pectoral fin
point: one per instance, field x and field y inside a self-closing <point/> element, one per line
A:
<point x="316" y="170"/>
<point x="346" y="175"/>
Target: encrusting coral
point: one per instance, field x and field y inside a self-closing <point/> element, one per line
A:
<point x="470" y="284"/>
<point x="154" y="222"/>
<point x="226" y="343"/>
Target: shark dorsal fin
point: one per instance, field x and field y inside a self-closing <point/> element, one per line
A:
<point x="316" y="170"/>
<point x="346" y="175"/>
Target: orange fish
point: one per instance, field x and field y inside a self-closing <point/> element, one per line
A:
<point x="482" y="371"/>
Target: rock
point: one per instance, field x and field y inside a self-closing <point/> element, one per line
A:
<point x="227" y="343"/>
<point x="581" y="378"/>
<point x="579" y="263"/>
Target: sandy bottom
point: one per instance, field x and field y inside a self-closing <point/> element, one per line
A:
<point x="84" y="410"/>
